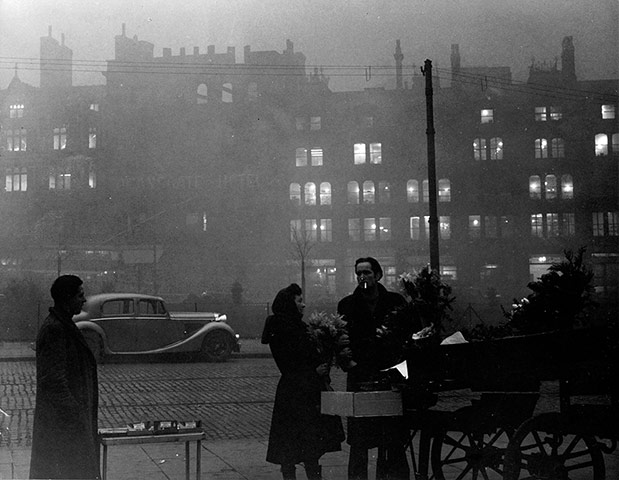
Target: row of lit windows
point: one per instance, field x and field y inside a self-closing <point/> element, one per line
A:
<point x="544" y="114"/>
<point x="370" y="229"/>
<point x="16" y="180"/>
<point x="550" y="187"/>
<point x="16" y="139"/>
<point x="602" y="145"/>
<point x="362" y="153"/>
<point x="368" y="193"/>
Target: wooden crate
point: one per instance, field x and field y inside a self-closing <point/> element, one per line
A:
<point x="361" y="404"/>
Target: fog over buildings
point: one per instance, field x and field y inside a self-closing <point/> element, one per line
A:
<point x="181" y="149"/>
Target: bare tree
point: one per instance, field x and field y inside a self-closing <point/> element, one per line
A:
<point x="302" y="244"/>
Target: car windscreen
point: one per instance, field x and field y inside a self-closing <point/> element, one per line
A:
<point x="117" y="307"/>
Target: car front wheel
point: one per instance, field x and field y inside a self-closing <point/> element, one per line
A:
<point x="216" y="347"/>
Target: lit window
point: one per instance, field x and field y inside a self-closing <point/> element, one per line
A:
<point x="202" y="94"/>
<point x="426" y="225"/>
<point x="16" y="180"/>
<point x="375" y="153"/>
<point x="601" y="145"/>
<point x="608" y="112"/>
<point x="326" y="230"/>
<point x="368" y="192"/>
<point x="316" y="155"/>
<point x="60" y="138"/>
<point x="425" y="187"/>
<point x="541" y="148"/>
<point x="474" y="226"/>
<point x="490" y="226"/>
<point x="369" y="229"/>
<point x="412" y="191"/>
<point x="325" y="193"/>
<point x="315" y="123"/>
<point x="567" y="187"/>
<point x="353" y="193"/>
<point x="552" y="225"/>
<point x="449" y="272"/>
<point x="557" y="147"/>
<point x="479" y="149"/>
<point x="92" y="137"/>
<point x="598" y="224"/>
<point x="16" y="110"/>
<point x="295" y="194"/>
<point x="311" y="229"/>
<point x="444" y="190"/>
<point x="94" y="107"/>
<point x="301" y="157"/>
<point x="414" y="227"/>
<point x="384" y="192"/>
<point x="496" y="148"/>
<point x="310" y="194"/>
<point x="615" y="144"/>
<point x="540" y="114"/>
<point x="568" y="224"/>
<point x="487" y="115"/>
<point x="555" y="113"/>
<point x="354" y="229"/>
<point x="444" y="227"/>
<point x="92" y="178"/>
<point x="204" y="222"/>
<point x="384" y="228"/>
<point x="60" y="181"/>
<point x="301" y="123"/>
<point x="537" y="226"/>
<point x="535" y="187"/>
<point x="16" y="140"/>
<point x="295" y="230"/>
<point x="359" y="152"/>
<point x="226" y="93"/>
<point x="550" y="187"/>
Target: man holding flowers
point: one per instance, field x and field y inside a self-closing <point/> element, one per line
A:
<point x="377" y="326"/>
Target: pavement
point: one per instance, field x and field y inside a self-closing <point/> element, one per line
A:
<point x="221" y="459"/>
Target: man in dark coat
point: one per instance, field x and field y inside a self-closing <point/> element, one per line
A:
<point x="64" y="441"/>
<point x="376" y="331"/>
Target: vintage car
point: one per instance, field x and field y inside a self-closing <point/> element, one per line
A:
<point x="130" y="324"/>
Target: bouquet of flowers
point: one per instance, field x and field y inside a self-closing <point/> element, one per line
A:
<point x="326" y="330"/>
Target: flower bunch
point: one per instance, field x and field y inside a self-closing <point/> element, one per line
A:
<point x="326" y="330"/>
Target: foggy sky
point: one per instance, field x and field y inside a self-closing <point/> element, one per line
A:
<point x="336" y="34"/>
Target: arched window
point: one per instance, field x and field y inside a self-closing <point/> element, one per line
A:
<point x="444" y="190"/>
<point x="601" y="145"/>
<point x="541" y="148"/>
<point x="550" y="187"/>
<point x="325" y="193"/>
<point x="353" y="193"/>
<point x="412" y="191"/>
<point x="479" y="149"/>
<point x="310" y="193"/>
<point x="202" y="94"/>
<point x="368" y="192"/>
<point x="226" y="92"/>
<point x="535" y="187"/>
<point x="295" y="194"/>
<point x="557" y="147"/>
<point x="425" y="186"/>
<point x="384" y="192"/>
<point x="496" y="148"/>
<point x="567" y="187"/>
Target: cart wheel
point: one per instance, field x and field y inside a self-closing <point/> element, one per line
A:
<point x="465" y="455"/>
<point x="542" y="449"/>
<point x="216" y="346"/>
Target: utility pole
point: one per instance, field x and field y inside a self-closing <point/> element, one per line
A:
<point x="433" y="221"/>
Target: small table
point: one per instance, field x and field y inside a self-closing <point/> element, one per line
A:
<point x="187" y="437"/>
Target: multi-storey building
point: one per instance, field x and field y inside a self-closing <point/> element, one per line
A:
<point x="184" y="173"/>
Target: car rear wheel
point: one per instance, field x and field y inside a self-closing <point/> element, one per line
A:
<point x="94" y="342"/>
<point x="216" y="347"/>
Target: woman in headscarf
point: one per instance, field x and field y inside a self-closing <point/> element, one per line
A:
<point x="299" y="433"/>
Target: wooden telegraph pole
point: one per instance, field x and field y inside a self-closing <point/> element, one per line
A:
<point x="433" y="221"/>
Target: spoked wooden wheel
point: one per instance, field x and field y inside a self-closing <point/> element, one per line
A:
<point x="469" y="455"/>
<point x="542" y="449"/>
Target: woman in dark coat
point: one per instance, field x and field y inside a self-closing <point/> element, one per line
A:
<point x="299" y="433"/>
<point x="64" y="441"/>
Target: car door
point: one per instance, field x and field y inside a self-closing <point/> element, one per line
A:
<point x="117" y="318"/>
<point x="155" y="329"/>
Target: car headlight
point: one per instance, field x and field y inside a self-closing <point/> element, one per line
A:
<point x="221" y="318"/>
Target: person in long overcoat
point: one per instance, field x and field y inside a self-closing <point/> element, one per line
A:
<point x="299" y="433"/>
<point x="376" y="330"/>
<point x="65" y="438"/>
